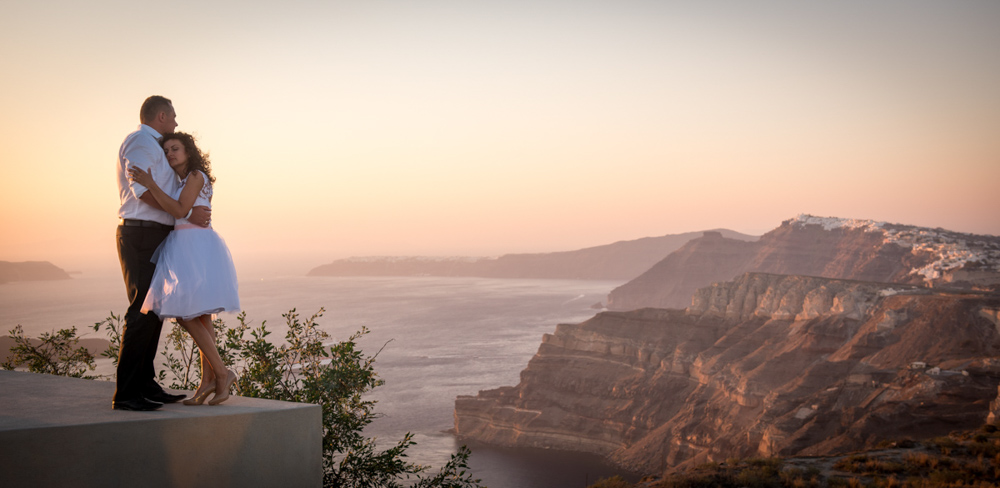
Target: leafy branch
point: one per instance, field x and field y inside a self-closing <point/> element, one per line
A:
<point x="55" y="353"/>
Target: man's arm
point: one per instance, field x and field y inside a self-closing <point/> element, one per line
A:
<point x="200" y="215"/>
<point x="148" y="199"/>
<point x="181" y="207"/>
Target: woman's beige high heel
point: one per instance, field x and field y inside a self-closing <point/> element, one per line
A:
<point x="199" y="398"/>
<point x="223" y="394"/>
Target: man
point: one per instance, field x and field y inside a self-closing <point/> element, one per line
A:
<point x="142" y="228"/>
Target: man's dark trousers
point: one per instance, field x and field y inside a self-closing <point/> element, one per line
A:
<point x="136" y="377"/>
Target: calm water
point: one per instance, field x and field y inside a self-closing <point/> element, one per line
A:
<point x="443" y="337"/>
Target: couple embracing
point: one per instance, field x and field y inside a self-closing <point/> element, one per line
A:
<point x="174" y="264"/>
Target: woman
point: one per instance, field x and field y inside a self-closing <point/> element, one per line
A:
<point x="195" y="276"/>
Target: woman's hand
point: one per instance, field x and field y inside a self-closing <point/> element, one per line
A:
<point x="144" y="178"/>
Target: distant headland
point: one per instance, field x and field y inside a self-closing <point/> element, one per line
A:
<point x="622" y="260"/>
<point x="31" y="271"/>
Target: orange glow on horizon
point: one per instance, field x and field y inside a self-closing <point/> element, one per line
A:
<point x="483" y="129"/>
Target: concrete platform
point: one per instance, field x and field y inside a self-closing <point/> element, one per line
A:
<point x="57" y="431"/>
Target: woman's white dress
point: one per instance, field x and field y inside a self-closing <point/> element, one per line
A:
<point x="194" y="270"/>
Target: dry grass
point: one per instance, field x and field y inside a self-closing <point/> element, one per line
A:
<point x="961" y="459"/>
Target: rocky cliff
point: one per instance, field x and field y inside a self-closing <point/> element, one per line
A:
<point x="826" y="247"/>
<point x="621" y="260"/>
<point x="30" y="271"/>
<point x="763" y="365"/>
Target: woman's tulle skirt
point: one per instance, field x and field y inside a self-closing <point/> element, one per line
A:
<point x="194" y="276"/>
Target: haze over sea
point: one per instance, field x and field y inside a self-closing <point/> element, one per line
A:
<point x="443" y="337"/>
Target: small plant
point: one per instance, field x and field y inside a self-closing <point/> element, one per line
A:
<point x="758" y="477"/>
<point x="114" y="326"/>
<point x="55" y="353"/>
<point x="944" y="443"/>
<point x="882" y="466"/>
<point x="852" y="464"/>
<point x="983" y="447"/>
<point x="946" y="476"/>
<point x="612" y="482"/>
<point x="801" y="478"/>
<point x="837" y="482"/>
<point x="921" y="461"/>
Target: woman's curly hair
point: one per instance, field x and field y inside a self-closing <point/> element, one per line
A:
<point x="197" y="160"/>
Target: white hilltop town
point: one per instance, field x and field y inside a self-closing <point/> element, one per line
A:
<point x="951" y="249"/>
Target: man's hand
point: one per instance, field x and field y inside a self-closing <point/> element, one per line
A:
<point x="201" y="216"/>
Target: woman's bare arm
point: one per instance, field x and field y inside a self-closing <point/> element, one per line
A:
<point x="178" y="208"/>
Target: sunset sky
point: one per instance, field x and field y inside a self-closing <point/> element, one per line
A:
<point x="351" y="128"/>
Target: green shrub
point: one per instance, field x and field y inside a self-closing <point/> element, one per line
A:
<point x="56" y="353"/>
<point x="113" y="325"/>
<point x="301" y="370"/>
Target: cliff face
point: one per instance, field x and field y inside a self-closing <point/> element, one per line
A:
<point x="763" y="365"/>
<point x="826" y="247"/>
<point x="621" y="260"/>
<point x="670" y="282"/>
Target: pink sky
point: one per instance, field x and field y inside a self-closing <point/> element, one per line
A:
<point x="342" y="129"/>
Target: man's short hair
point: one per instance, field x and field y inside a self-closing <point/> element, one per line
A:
<point x="152" y="107"/>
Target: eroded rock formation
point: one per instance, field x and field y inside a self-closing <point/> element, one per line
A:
<point x="763" y="365"/>
<point x="828" y="247"/>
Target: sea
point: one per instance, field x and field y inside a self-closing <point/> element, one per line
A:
<point x="435" y="338"/>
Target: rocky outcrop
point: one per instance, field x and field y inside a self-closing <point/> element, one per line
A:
<point x="622" y="260"/>
<point x="30" y="271"/>
<point x="670" y="282"/>
<point x="827" y="247"/>
<point x="763" y="365"/>
<point x="790" y="297"/>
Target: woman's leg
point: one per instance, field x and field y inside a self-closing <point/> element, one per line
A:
<point x="209" y="354"/>
<point x="207" y="384"/>
<point x="223" y="378"/>
<point x="207" y="371"/>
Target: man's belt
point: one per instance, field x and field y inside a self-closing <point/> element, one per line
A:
<point x="145" y="223"/>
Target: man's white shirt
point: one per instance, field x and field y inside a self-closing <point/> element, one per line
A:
<point x="141" y="149"/>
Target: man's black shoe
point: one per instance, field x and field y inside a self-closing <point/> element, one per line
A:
<point x="164" y="397"/>
<point x="140" y="404"/>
